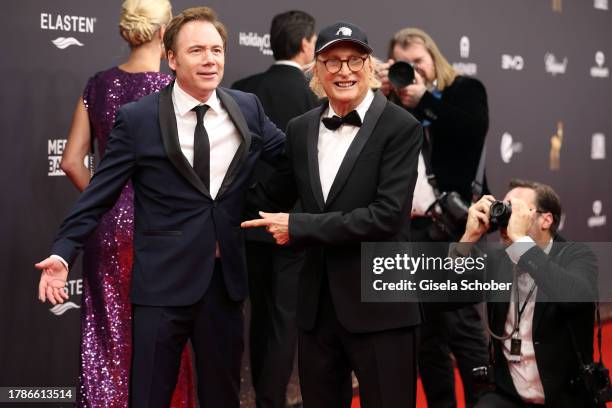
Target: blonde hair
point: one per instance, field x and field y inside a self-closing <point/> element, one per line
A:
<point x="141" y="19"/>
<point x="445" y="73"/>
<point x="318" y="89"/>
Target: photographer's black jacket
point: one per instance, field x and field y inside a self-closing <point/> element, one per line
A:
<point x="459" y="124"/>
<point x="568" y="273"/>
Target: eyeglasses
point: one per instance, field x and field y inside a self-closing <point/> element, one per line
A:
<point x="334" y="65"/>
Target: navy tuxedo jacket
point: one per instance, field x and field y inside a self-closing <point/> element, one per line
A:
<point x="176" y="222"/>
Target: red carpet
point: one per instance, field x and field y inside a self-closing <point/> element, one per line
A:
<point x="607" y="356"/>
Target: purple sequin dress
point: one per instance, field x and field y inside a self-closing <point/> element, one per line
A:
<point x="107" y="262"/>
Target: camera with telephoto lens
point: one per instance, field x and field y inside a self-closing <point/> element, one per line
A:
<point x="449" y="214"/>
<point x="483" y="377"/>
<point x="401" y="74"/>
<point x="499" y="214"/>
<point x="595" y="378"/>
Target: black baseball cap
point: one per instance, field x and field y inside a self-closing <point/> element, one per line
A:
<point x="341" y="31"/>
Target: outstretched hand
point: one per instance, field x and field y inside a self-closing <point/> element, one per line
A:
<point x="52" y="281"/>
<point x="276" y="224"/>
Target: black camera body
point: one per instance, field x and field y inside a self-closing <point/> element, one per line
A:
<point x="595" y="378"/>
<point x="499" y="214"/>
<point x="449" y="214"/>
<point x="483" y="377"/>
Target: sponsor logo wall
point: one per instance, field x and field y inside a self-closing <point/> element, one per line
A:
<point x="548" y="87"/>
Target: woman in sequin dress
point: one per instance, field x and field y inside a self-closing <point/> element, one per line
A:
<point x="107" y="260"/>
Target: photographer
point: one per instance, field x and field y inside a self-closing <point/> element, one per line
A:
<point x="454" y="114"/>
<point x="538" y="332"/>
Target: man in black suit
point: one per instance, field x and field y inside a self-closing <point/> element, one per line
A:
<point x="283" y="89"/>
<point x="273" y="270"/>
<point x="189" y="152"/>
<point x="352" y="163"/>
<point x="554" y="286"/>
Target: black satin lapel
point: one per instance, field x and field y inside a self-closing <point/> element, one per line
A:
<point x="362" y="136"/>
<point x="312" y="141"/>
<point x="243" y="150"/>
<point x="542" y="298"/>
<point x="169" y="133"/>
<point x="540" y="307"/>
<point x="501" y="304"/>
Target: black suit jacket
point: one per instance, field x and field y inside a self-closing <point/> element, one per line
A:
<point x="177" y="223"/>
<point x="459" y="125"/>
<point x="369" y="200"/>
<point x="283" y="91"/>
<point x="567" y="274"/>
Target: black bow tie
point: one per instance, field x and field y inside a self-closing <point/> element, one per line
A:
<point x="334" y="122"/>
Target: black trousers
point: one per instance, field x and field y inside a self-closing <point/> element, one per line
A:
<point x="215" y="326"/>
<point x="273" y="280"/>
<point x="384" y="363"/>
<point x="460" y="332"/>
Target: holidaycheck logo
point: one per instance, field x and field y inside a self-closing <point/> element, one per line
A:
<point x="255" y="40"/>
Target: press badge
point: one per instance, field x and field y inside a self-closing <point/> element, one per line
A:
<point x="515" y="350"/>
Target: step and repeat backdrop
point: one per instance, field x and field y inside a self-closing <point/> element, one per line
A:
<point x="545" y="64"/>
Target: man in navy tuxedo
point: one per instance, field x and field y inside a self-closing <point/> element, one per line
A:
<point x="189" y="151"/>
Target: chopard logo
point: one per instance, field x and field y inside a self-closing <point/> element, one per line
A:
<point x="553" y="66"/>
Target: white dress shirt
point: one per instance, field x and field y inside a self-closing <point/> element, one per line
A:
<point x="525" y="374"/>
<point x="333" y="144"/>
<point x="423" y="196"/>
<point x="222" y="133"/>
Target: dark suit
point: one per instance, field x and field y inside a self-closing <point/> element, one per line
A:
<point x="565" y="279"/>
<point x="369" y="200"/>
<point x="179" y="289"/>
<point x="273" y="270"/>
<point x="283" y="91"/>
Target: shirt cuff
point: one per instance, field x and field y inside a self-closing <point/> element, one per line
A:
<point x="62" y="260"/>
<point x="519" y="247"/>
